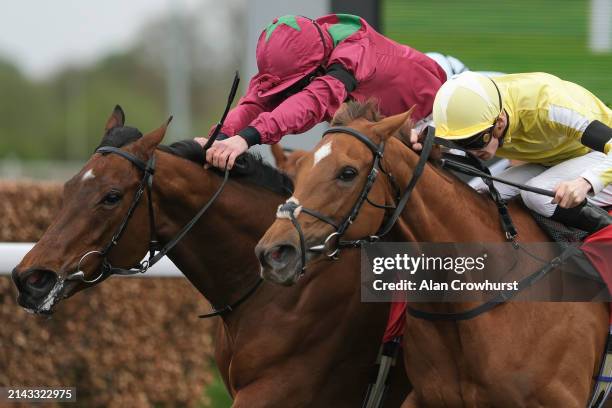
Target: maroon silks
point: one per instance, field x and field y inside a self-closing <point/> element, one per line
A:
<point x="395" y="75"/>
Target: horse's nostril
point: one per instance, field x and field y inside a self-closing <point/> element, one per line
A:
<point x="276" y="255"/>
<point x="279" y="256"/>
<point x="37" y="282"/>
<point x="37" y="279"/>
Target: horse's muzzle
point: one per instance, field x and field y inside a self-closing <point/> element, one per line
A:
<point x="33" y="285"/>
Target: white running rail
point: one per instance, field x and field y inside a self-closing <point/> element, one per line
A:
<point x="11" y="254"/>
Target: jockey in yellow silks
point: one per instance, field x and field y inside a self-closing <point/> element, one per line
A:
<point x="561" y="130"/>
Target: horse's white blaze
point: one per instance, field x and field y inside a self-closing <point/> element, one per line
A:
<point x="88" y="175"/>
<point x="322" y="152"/>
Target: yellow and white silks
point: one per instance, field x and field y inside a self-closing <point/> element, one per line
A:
<point x="547" y="117"/>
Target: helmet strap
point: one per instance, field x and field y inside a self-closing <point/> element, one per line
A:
<point x="499" y="98"/>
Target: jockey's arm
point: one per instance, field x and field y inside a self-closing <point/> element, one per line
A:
<point x="574" y="116"/>
<point x="298" y="113"/>
<point x="318" y="101"/>
<point x="574" y="123"/>
<point x="570" y="195"/>
<point x="598" y="136"/>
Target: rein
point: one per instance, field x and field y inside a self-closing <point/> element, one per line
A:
<point x="155" y="253"/>
<point x="502" y="296"/>
<point x="476" y="169"/>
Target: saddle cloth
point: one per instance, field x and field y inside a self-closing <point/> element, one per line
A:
<point x="598" y="257"/>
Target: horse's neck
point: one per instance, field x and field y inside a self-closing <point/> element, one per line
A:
<point x="441" y="207"/>
<point x="217" y="254"/>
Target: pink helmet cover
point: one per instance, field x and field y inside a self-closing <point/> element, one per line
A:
<point x="288" y="49"/>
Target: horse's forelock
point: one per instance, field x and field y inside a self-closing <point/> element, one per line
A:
<point x="353" y="110"/>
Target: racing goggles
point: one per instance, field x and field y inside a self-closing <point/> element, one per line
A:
<point x="478" y="141"/>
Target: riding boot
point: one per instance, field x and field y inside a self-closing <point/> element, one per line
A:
<point x="586" y="217"/>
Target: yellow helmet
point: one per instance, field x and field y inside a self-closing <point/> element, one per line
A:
<point x="466" y="105"/>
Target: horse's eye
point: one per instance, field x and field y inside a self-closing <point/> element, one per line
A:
<point x="111" y="198"/>
<point x="347" y="174"/>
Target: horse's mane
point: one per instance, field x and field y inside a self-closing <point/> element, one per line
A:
<point x="249" y="167"/>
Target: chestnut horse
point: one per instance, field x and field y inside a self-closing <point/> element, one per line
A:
<point x="313" y="345"/>
<point x="518" y="354"/>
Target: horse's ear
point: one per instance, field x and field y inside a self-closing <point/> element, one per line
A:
<point x="389" y="126"/>
<point x="340" y="115"/>
<point x="280" y="158"/>
<point x="117" y="118"/>
<point x="149" y="142"/>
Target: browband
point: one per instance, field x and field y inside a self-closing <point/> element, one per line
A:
<point x="343" y="129"/>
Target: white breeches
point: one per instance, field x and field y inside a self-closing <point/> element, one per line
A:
<point x="454" y="66"/>
<point x="451" y="65"/>
<point x="548" y="178"/>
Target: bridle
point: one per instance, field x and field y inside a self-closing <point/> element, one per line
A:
<point x="291" y="209"/>
<point x="155" y="253"/>
<point x="145" y="185"/>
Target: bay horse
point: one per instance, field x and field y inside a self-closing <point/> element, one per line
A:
<point x="309" y="346"/>
<point x="519" y="354"/>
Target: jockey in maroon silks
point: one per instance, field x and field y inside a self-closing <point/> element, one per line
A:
<point x="308" y="68"/>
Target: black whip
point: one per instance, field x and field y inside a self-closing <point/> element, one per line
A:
<point x="230" y="99"/>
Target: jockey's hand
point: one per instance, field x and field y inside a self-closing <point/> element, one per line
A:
<point x="224" y="152"/>
<point x="569" y="194"/>
<point x="416" y="140"/>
